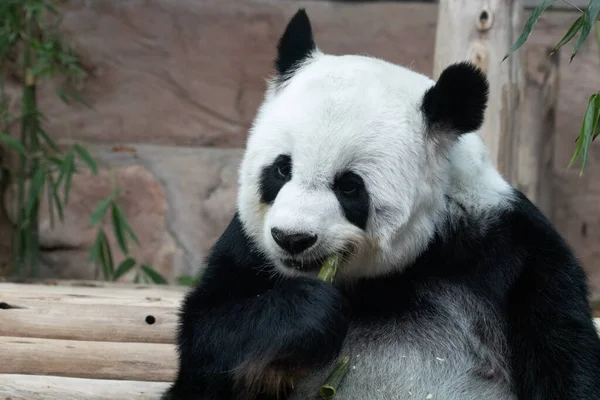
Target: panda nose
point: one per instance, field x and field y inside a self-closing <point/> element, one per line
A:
<point x="293" y="243"/>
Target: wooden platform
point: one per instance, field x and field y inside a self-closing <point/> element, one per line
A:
<point x="87" y="340"/>
<point x="73" y="340"/>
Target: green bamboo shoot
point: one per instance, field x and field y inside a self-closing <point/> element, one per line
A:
<point x="329" y="388"/>
<point x="329" y="269"/>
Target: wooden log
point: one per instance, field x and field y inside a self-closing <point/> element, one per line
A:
<point x="90" y="299"/>
<point x="94" y="284"/>
<point x="482" y="31"/>
<point x="36" y="387"/>
<point x="537" y="129"/>
<point x="84" y="359"/>
<point x="145" y="295"/>
<point x="104" y="323"/>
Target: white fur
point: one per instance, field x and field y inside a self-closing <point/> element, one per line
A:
<point x="340" y="112"/>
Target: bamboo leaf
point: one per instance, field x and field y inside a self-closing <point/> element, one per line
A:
<point x="124" y="268"/>
<point x="589" y="17"/>
<point x="48" y="140"/>
<point x="125" y="223"/>
<point x="13" y="144"/>
<point x="51" y="205"/>
<point x="587" y="128"/>
<point x="132" y="234"/>
<point x="86" y="157"/>
<point x="569" y="35"/>
<point x="55" y="197"/>
<point x="529" y="24"/>
<point x="106" y="258"/>
<point x="591" y="127"/>
<point x="100" y="211"/>
<point x="580" y="138"/>
<point x="35" y="189"/>
<point x="96" y="246"/>
<point x="186" y="280"/>
<point x="153" y="275"/>
<point x="66" y="172"/>
<point x="118" y="227"/>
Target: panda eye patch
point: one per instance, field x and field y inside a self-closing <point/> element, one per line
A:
<point x="349" y="183"/>
<point x="273" y="177"/>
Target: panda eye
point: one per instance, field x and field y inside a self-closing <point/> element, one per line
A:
<point x="348" y="183"/>
<point x="283" y="167"/>
<point x="284" y="171"/>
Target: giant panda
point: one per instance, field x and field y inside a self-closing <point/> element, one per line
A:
<point x="453" y="285"/>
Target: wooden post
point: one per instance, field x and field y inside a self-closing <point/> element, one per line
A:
<point x="536" y="136"/>
<point x="482" y="31"/>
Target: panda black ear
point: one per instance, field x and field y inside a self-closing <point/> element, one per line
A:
<point x="295" y="44"/>
<point x="458" y="100"/>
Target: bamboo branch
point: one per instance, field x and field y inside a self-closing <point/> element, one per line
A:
<point x="328" y="390"/>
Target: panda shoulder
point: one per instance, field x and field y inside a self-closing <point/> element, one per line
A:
<point x="480" y="193"/>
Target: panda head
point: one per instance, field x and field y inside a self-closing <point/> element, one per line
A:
<point x="349" y="154"/>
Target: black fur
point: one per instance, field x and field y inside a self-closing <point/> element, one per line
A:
<point x="273" y="177"/>
<point x="519" y="265"/>
<point x="240" y="314"/>
<point x="352" y="195"/>
<point x="295" y="45"/>
<point x="458" y="100"/>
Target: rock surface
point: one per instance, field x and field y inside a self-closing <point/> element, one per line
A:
<point x="178" y="201"/>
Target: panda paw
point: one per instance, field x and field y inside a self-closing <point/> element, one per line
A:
<point x="323" y="327"/>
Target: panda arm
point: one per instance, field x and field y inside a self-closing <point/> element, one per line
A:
<point x="242" y="326"/>
<point x="555" y="350"/>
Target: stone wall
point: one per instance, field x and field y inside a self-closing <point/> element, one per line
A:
<point x="174" y="85"/>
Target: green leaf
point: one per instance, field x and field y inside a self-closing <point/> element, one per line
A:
<point x="589" y="17"/>
<point x="99" y="211"/>
<point x="66" y="172"/>
<point x="153" y="275"/>
<point x="13" y="143"/>
<point x="48" y="140"/>
<point x="95" y="249"/>
<point x="62" y="95"/>
<point x="57" y="161"/>
<point x="119" y="227"/>
<point x="569" y="35"/>
<point x="86" y="157"/>
<point x="35" y="190"/>
<point x="186" y="280"/>
<point x="53" y="199"/>
<point x="589" y="125"/>
<point x="106" y="258"/>
<point x="529" y="24"/>
<point x="124" y="223"/>
<point x="137" y="277"/>
<point x="124" y="268"/>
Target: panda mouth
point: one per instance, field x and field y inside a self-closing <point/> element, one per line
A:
<point x="304" y="265"/>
